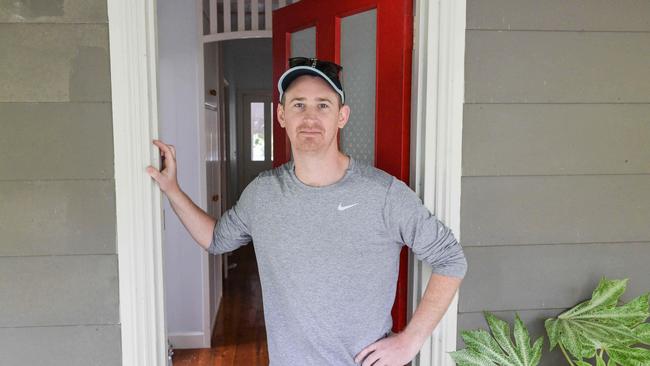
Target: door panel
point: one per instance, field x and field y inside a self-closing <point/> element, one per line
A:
<point x="358" y="54"/>
<point x="382" y="106"/>
<point x="303" y="42"/>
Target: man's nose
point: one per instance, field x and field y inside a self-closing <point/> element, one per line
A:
<point x="310" y="112"/>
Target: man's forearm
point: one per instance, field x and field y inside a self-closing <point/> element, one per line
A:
<point x="438" y="295"/>
<point x="199" y="224"/>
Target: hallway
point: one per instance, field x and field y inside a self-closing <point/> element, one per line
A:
<point x="241" y="338"/>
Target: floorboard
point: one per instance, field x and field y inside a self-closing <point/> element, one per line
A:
<point x="239" y="337"/>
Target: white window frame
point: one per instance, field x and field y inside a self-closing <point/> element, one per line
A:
<point x="437" y="118"/>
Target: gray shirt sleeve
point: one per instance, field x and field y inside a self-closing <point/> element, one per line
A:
<point x="233" y="229"/>
<point x="409" y="222"/>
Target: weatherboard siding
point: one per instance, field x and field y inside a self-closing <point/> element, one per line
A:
<point x="556" y="159"/>
<point x="59" y="298"/>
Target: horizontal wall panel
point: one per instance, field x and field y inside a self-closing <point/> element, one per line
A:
<point x="53" y="11"/>
<point x="546" y="139"/>
<point x="54" y="63"/>
<point x="56" y="141"/>
<point x="592" y="15"/>
<point x="549" y="67"/>
<point x="57" y="217"/>
<point x="58" y="290"/>
<point x="549" y="276"/>
<point x="61" y="346"/>
<point x="532" y="319"/>
<point x="555" y="209"/>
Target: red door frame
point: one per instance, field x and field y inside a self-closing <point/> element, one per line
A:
<point x="393" y="89"/>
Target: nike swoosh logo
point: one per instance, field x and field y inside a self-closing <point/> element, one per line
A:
<point x="341" y="208"/>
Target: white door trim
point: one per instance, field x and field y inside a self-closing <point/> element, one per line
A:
<point x="437" y="112"/>
<point x="186" y="340"/>
<point x="133" y="59"/>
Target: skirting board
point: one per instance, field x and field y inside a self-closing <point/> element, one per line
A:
<point x="193" y="340"/>
<point x="186" y="340"/>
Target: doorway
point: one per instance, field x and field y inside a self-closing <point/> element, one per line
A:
<point x="143" y="325"/>
<point x="243" y="87"/>
<point x="374" y="76"/>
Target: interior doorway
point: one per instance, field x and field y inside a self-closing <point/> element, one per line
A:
<point x="238" y="79"/>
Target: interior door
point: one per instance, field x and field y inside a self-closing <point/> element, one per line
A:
<point x="372" y="40"/>
<point x="257" y="135"/>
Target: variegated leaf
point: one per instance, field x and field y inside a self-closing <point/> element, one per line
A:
<point x="630" y="314"/>
<point x="481" y="342"/>
<point x="628" y="356"/>
<point x="553" y="331"/>
<point x="606" y="295"/>
<point x="498" y="348"/>
<point x="602" y="335"/>
<point x="467" y="357"/>
<point x="537" y="351"/>
<point x="570" y="339"/>
<point x="642" y="333"/>
<point x="522" y="340"/>
<point x="588" y="348"/>
<point x="598" y="323"/>
<point x="501" y="333"/>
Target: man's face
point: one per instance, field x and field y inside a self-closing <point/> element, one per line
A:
<point x="311" y="114"/>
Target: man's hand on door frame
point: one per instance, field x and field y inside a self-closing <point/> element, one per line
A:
<point x="166" y="177"/>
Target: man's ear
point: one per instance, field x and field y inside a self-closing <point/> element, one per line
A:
<point x="280" y="114"/>
<point x="344" y="115"/>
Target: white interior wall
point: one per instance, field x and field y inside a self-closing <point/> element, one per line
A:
<point x="213" y="171"/>
<point x="179" y="88"/>
<point x="247" y="66"/>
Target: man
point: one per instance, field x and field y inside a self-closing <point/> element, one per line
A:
<point x="327" y="232"/>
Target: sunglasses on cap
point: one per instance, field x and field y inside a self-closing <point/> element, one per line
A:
<point x="299" y="66"/>
<point x="328" y="68"/>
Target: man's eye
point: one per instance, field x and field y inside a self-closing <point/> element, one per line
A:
<point x="323" y="105"/>
<point x="298" y="105"/>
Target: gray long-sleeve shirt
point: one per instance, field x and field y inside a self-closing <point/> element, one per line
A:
<point x="328" y="257"/>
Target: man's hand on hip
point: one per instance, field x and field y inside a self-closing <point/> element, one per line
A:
<point x="394" y="350"/>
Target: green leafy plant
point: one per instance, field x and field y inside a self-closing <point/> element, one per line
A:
<point x="598" y="326"/>
<point x="591" y="330"/>
<point x="484" y="349"/>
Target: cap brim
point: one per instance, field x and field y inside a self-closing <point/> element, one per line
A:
<point x="295" y="72"/>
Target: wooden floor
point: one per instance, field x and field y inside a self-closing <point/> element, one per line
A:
<point x="239" y="337"/>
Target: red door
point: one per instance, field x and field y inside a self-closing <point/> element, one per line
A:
<point x="372" y="40"/>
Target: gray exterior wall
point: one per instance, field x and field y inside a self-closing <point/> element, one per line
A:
<point x="58" y="261"/>
<point x="556" y="159"/>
